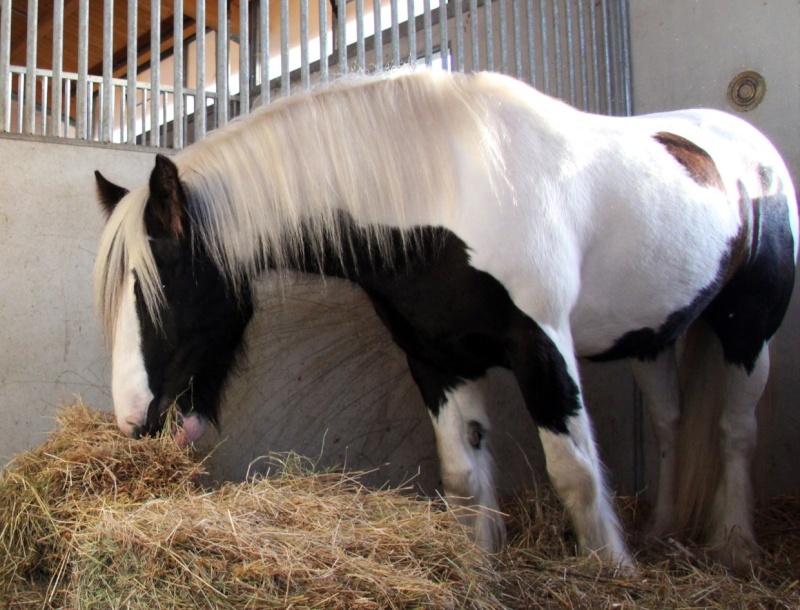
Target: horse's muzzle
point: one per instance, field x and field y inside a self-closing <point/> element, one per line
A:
<point x="185" y="431"/>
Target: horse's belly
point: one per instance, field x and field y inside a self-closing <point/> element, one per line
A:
<point x="634" y="316"/>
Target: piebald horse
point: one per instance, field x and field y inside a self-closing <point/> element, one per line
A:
<point x="490" y="225"/>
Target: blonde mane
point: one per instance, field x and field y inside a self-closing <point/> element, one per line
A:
<point x="388" y="150"/>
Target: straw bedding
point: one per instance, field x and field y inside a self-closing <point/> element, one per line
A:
<point x="91" y="519"/>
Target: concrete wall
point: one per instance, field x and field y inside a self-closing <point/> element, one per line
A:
<point x="685" y="52"/>
<point x="50" y="347"/>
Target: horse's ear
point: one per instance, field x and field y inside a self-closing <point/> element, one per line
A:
<point x="109" y="193"/>
<point x="165" y="215"/>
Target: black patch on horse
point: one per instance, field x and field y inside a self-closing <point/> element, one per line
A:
<point x="190" y="354"/>
<point x="749" y="309"/>
<point x="453" y="321"/>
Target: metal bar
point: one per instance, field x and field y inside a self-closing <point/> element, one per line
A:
<point x="584" y="57"/>
<point x="595" y="57"/>
<point x="132" y="69"/>
<point x="517" y="18"/>
<point x="155" y="70"/>
<point x="305" y="72"/>
<point x="570" y="53"/>
<point x="395" y="33"/>
<point x="503" y="9"/>
<point x="81" y="92"/>
<point x="285" y="85"/>
<point x="222" y="40"/>
<point x="28" y="103"/>
<point x="607" y="57"/>
<point x="341" y="23"/>
<point x="244" y="58"/>
<point x="488" y="19"/>
<point x="557" y="48"/>
<point x="178" y="107"/>
<point x="459" y="35"/>
<point x="121" y="118"/>
<point x="54" y="126"/>
<point x="20" y="87"/>
<point x="627" y="77"/>
<point x="531" y="44"/>
<point x="545" y="47"/>
<point x="106" y="126"/>
<point x="143" y="141"/>
<point x="200" y="88"/>
<point x="323" y="41"/>
<point x="90" y="111"/>
<point x="428" y="28"/>
<point x="411" y="22"/>
<point x="377" y="17"/>
<point x="361" y="56"/>
<point x="67" y="105"/>
<point x="473" y="30"/>
<point x="263" y="13"/>
<point x="444" y="42"/>
<point x="164" y="125"/>
<point x="45" y="80"/>
<point x="5" y="60"/>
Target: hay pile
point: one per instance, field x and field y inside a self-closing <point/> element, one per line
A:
<point x="91" y="519"/>
<point x="540" y="569"/>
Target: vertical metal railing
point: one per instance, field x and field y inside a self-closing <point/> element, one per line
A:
<point x="155" y="71"/>
<point x="5" y="60"/>
<point x="244" y="60"/>
<point x="178" y="133"/>
<point x="578" y="50"/>
<point x="30" y="73"/>
<point x="200" y="87"/>
<point x="221" y="42"/>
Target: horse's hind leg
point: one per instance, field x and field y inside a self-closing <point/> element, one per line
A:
<point x="658" y="380"/>
<point x="546" y="370"/>
<point x="732" y="529"/>
<point x="462" y="440"/>
<point x="744" y="316"/>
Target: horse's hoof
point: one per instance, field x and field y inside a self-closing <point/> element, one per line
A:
<point x="739" y="554"/>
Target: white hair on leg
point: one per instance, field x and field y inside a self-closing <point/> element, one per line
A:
<point x="467" y="470"/>
<point x="658" y="380"/>
<point x="732" y="530"/>
<point x="577" y="475"/>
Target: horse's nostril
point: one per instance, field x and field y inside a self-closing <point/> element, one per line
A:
<point x="136" y="432"/>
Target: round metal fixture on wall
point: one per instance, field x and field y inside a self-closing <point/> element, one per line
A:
<point x="746" y="90"/>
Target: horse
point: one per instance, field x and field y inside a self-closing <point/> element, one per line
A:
<point x="490" y="226"/>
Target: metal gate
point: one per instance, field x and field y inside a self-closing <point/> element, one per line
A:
<point x="139" y="73"/>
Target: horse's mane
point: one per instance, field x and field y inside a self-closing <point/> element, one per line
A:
<point x="388" y="150"/>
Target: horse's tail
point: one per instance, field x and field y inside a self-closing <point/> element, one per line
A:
<point x="703" y="374"/>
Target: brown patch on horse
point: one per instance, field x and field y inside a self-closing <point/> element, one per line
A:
<point x="745" y="244"/>
<point x="698" y="162"/>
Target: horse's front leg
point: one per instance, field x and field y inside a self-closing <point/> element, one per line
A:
<point x="462" y="440"/>
<point x="546" y="370"/>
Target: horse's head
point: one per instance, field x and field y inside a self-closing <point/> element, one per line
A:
<point x="181" y="346"/>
